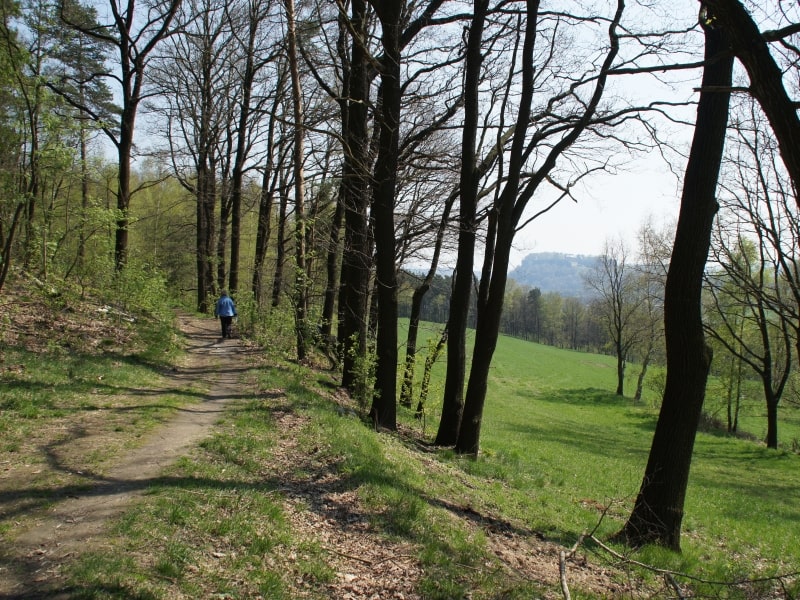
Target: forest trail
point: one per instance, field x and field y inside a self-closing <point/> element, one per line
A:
<point x="78" y="523"/>
<point x="317" y="503"/>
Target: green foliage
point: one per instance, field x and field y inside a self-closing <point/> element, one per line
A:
<point x="363" y="373"/>
<point x="271" y="327"/>
<point x="140" y="286"/>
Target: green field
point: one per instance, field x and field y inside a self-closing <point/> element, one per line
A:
<point x="554" y="429"/>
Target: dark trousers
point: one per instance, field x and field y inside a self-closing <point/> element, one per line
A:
<point x="226" y="326"/>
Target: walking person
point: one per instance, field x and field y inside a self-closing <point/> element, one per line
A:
<point x="225" y="309"/>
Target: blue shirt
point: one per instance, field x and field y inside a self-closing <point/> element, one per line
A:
<point x="225" y="307"/>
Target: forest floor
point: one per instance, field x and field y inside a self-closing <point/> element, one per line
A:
<point x="45" y="537"/>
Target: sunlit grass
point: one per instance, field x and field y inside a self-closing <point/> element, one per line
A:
<point x="561" y="455"/>
<point x="570" y="449"/>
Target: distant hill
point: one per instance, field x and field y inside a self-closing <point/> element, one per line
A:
<point x="555" y="272"/>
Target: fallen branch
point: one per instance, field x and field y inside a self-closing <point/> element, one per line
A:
<point x="562" y="570"/>
<point x="672" y="574"/>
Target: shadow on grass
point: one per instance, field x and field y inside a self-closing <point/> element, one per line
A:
<point x="317" y="486"/>
<point x="592" y="397"/>
<point x="35" y="391"/>
<point x="83" y="592"/>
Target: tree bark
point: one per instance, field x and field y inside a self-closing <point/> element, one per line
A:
<point x="506" y="214"/>
<point x="264" y="224"/>
<point x="384" y="403"/>
<point x="280" y="242"/>
<point x="620" y="370"/>
<point x="241" y="152"/>
<point x="750" y="46"/>
<point x="332" y="261"/>
<point x="498" y="249"/>
<point x="301" y="280"/>
<point x="658" y="511"/>
<point x="453" y="401"/>
<point x="356" y="257"/>
<point x="772" y="417"/>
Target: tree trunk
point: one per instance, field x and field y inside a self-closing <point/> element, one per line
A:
<point x="241" y="147"/>
<point x="637" y="397"/>
<point x="8" y="241"/>
<point x="225" y="206"/>
<point x="263" y="230"/>
<point x="766" y="77"/>
<point x="200" y="262"/>
<point x="658" y="510"/>
<point x="266" y="199"/>
<point x="431" y="359"/>
<point x="206" y="201"/>
<point x="84" y="158"/>
<point x="301" y="281"/>
<point x="407" y="389"/>
<point x="356" y="257"/>
<point x="772" y="416"/>
<point x="453" y="400"/>
<point x="384" y="403"/>
<point x="486" y="334"/>
<point x="498" y="247"/>
<point x="620" y="369"/>
<point x="280" y="244"/>
<point x="123" y="190"/>
<point x="332" y="268"/>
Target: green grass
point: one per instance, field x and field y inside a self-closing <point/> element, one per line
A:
<point x="561" y="455"/>
<point x="565" y="444"/>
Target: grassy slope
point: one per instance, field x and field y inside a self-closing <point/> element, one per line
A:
<point x="554" y="428"/>
<point x="557" y="450"/>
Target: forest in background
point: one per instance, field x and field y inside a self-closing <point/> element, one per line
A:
<point x="303" y="157"/>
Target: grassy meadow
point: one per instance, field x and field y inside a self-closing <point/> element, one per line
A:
<point x="561" y="456"/>
<point x="569" y="448"/>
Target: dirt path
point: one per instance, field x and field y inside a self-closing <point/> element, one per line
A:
<point x="317" y="503"/>
<point x="79" y="522"/>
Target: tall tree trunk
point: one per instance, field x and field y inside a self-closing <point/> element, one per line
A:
<point x="301" y="280"/>
<point x="772" y="417"/>
<point x="7" y="239"/>
<point x="620" y="368"/>
<point x="356" y="257"/>
<point x="236" y="225"/>
<point x="486" y="334"/>
<point x="206" y="202"/>
<point x="453" y="400"/>
<point x="269" y="181"/>
<point x="201" y="228"/>
<point x="658" y="511"/>
<point x="123" y="189"/>
<point x="384" y="404"/>
<point x="504" y="218"/>
<point x="263" y="230"/>
<point x="241" y="145"/>
<point x="222" y="230"/>
<point x="407" y="389"/>
<point x="84" y="195"/>
<point x="495" y="268"/>
<point x="648" y="355"/>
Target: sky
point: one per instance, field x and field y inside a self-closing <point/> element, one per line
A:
<point x="614" y="207"/>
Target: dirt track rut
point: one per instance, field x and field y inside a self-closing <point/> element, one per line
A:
<point x="79" y="523"/>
